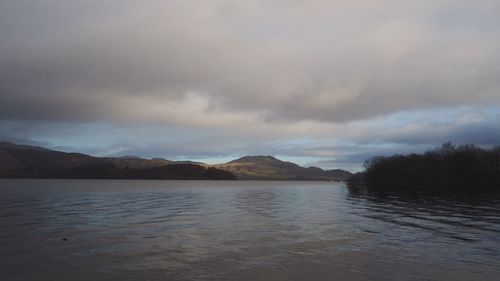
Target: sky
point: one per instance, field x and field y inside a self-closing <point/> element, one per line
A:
<point x="324" y="83"/>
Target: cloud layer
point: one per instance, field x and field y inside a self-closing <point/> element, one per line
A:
<point x="257" y="75"/>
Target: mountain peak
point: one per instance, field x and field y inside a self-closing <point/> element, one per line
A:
<point x="255" y="158"/>
<point x="262" y="167"/>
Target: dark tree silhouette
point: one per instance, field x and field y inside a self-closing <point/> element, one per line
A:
<point x="464" y="168"/>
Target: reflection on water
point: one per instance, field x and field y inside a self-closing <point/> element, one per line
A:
<point x="198" y="230"/>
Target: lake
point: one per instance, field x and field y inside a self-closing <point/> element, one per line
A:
<point x="246" y="230"/>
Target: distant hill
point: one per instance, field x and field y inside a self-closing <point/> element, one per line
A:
<point x="270" y="168"/>
<point x="8" y="145"/>
<point x="23" y="161"/>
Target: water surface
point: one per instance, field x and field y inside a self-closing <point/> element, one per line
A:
<point x="214" y="230"/>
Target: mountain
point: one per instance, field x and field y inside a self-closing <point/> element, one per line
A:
<point x="270" y="168"/>
<point x="21" y="161"/>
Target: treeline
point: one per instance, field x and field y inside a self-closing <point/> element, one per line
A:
<point x="106" y="170"/>
<point x="167" y="172"/>
<point x="451" y="168"/>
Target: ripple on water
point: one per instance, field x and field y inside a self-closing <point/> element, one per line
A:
<point x="157" y="230"/>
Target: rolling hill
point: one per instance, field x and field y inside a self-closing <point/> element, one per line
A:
<point x="19" y="161"/>
<point x="271" y="168"/>
<point x="22" y="161"/>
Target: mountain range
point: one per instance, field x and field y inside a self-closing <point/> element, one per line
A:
<point x="24" y="161"/>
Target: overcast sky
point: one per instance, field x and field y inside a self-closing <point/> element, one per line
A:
<point x="327" y="83"/>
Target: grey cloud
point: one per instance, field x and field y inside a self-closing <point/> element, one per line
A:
<point x="322" y="60"/>
<point x="189" y="78"/>
<point x="480" y="129"/>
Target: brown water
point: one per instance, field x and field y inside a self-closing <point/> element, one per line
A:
<point x="201" y="230"/>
